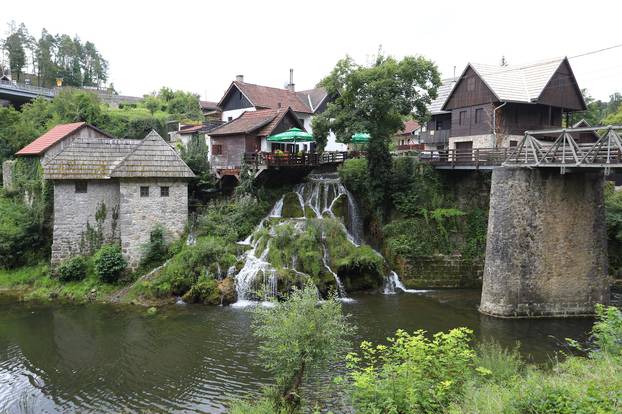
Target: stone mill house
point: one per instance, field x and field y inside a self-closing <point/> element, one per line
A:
<point x="116" y="190"/>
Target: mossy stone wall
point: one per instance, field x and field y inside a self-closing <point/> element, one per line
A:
<point x="440" y="272"/>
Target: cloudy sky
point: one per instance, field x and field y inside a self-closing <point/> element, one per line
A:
<point x="200" y="46"/>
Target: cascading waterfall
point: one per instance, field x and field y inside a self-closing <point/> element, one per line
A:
<point x="393" y="283"/>
<point x="318" y="197"/>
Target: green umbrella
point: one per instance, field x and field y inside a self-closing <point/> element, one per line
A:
<point x="360" y="138"/>
<point x="292" y="135"/>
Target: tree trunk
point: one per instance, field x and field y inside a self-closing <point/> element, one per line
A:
<point x="291" y="395"/>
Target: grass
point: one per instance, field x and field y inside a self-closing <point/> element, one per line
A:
<point x="22" y="276"/>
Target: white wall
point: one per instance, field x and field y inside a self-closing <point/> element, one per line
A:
<point x="235" y="113"/>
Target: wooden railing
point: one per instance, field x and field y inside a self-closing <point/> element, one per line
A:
<point x="466" y="158"/>
<point x="271" y="159"/>
<point x="410" y="147"/>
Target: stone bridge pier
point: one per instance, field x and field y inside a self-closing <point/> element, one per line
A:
<point x="546" y="253"/>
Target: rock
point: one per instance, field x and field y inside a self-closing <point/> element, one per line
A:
<point x="228" y="294"/>
<point x="152" y="311"/>
<point x="291" y="206"/>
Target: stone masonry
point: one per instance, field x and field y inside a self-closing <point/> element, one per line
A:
<point x="73" y="211"/>
<point x="546" y="253"/>
<point x="140" y="215"/>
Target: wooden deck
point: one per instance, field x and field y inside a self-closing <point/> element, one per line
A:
<point x="466" y="159"/>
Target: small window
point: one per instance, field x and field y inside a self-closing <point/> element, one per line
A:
<point x="513" y="143"/>
<point x="163" y="191"/>
<point x="144" y="191"/>
<point x="81" y="187"/>
<point x="302" y="121"/>
<point x="216" y="149"/>
<point x="478" y="115"/>
<point x="229" y="118"/>
<point x="462" y="118"/>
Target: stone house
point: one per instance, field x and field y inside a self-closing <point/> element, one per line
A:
<point x="116" y="190"/>
<point x="49" y="144"/>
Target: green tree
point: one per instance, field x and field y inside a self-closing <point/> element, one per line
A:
<point x="376" y="99"/>
<point x="298" y="337"/>
<point x="15" y="45"/>
<point x="76" y="106"/>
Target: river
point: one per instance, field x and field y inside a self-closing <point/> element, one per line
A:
<point x="105" y="358"/>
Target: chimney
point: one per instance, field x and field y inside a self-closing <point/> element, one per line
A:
<point x="239" y="78"/>
<point x="290" y="85"/>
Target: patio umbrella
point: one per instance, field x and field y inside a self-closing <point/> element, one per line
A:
<point x="292" y="135"/>
<point x="360" y="138"/>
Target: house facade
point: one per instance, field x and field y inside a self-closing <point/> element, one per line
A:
<point x="248" y="133"/>
<point x="116" y="190"/>
<point x="492" y="106"/>
<point x="243" y="97"/>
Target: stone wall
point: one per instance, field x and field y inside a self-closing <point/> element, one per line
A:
<point x="140" y="215"/>
<point x="72" y="212"/>
<point x="440" y="272"/>
<point x="7" y="174"/>
<point x="546" y="253"/>
<point x="485" y="140"/>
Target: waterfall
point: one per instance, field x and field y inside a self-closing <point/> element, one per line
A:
<point x="319" y="196"/>
<point x="393" y="282"/>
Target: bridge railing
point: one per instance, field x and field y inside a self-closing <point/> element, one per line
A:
<point x="461" y="158"/>
<point x="591" y="147"/>
<point x="22" y="87"/>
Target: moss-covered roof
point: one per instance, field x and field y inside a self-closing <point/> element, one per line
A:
<point x="100" y="159"/>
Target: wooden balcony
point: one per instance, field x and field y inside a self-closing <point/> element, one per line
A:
<point x="276" y="160"/>
<point x="470" y="159"/>
<point x="436" y="137"/>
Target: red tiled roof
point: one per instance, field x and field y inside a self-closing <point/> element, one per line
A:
<point x="409" y="127"/>
<point x="272" y="98"/>
<point x="50" y="138"/>
<point x="262" y="122"/>
<point x="186" y="129"/>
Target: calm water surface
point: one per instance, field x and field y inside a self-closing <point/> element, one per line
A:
<point x="103" y="358"/>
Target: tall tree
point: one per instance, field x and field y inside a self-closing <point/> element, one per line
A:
<point x="15" y="45"/>
<point x="376" y="99"/>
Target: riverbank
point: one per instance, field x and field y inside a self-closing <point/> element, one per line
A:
<point x="110" y="358"/>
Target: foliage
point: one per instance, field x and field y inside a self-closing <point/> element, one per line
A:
<point x="607" y="332"/>
<point x="22" y="276"/>
<point x="109" y="263"/>
<point x="73" y="269"/>
<point x="196" y="155"/>
<point x="413" y="373"/>
<point x="204" y="291"/>
<point x="297" y="337"/>
<point x="156" y="250"/>
<point x="613" y="209"/>
<point x="600" y="112"/>
<point x="192" y="262"/>
<point x="18" y="232"/>
<point x="376" y="100"/>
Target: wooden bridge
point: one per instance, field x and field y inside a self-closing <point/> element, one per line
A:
<point x="571" y="148"/>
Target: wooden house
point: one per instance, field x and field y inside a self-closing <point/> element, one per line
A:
<point x="247" y="134"/>
<point x="492" y="106"/>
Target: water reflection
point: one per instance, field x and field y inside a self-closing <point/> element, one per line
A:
<point x="98" y="358"/>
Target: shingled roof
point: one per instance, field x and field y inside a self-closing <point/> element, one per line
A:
<point x="53" y="136"/>
<point x="260" y="123"/>
<point x="100" y="159"/>
<point x="442" y="94"/>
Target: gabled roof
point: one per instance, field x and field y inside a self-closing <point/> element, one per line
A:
<point x="209" y="106"/>
<point x="268" y="97"/>
<point x="442" y="94"/>
<point x="313" y="97"/>
<point x="53" y="136"/>
<point x="409" y="127"/>
<point x="104" y="158"/>
<point x="517" y="83"/>
<point x="260" y="123"/>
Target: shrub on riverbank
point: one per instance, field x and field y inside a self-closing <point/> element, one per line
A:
<point x="109" y="263"/>
<point x="18" y="232"/>
<point x="72" y="270"/>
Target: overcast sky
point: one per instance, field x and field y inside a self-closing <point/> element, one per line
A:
<point x="200" y="46"/>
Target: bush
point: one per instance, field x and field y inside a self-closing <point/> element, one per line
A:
<point x="18" y="232"/>
<point x="204" y="291"/>
<point x="73" y="269"/>
<point x="109" y="263"/>
<point x="413" y="374"/>
<point x="156" y="250"/>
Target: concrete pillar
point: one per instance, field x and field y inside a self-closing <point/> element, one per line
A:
<point x="546" y="252"/>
